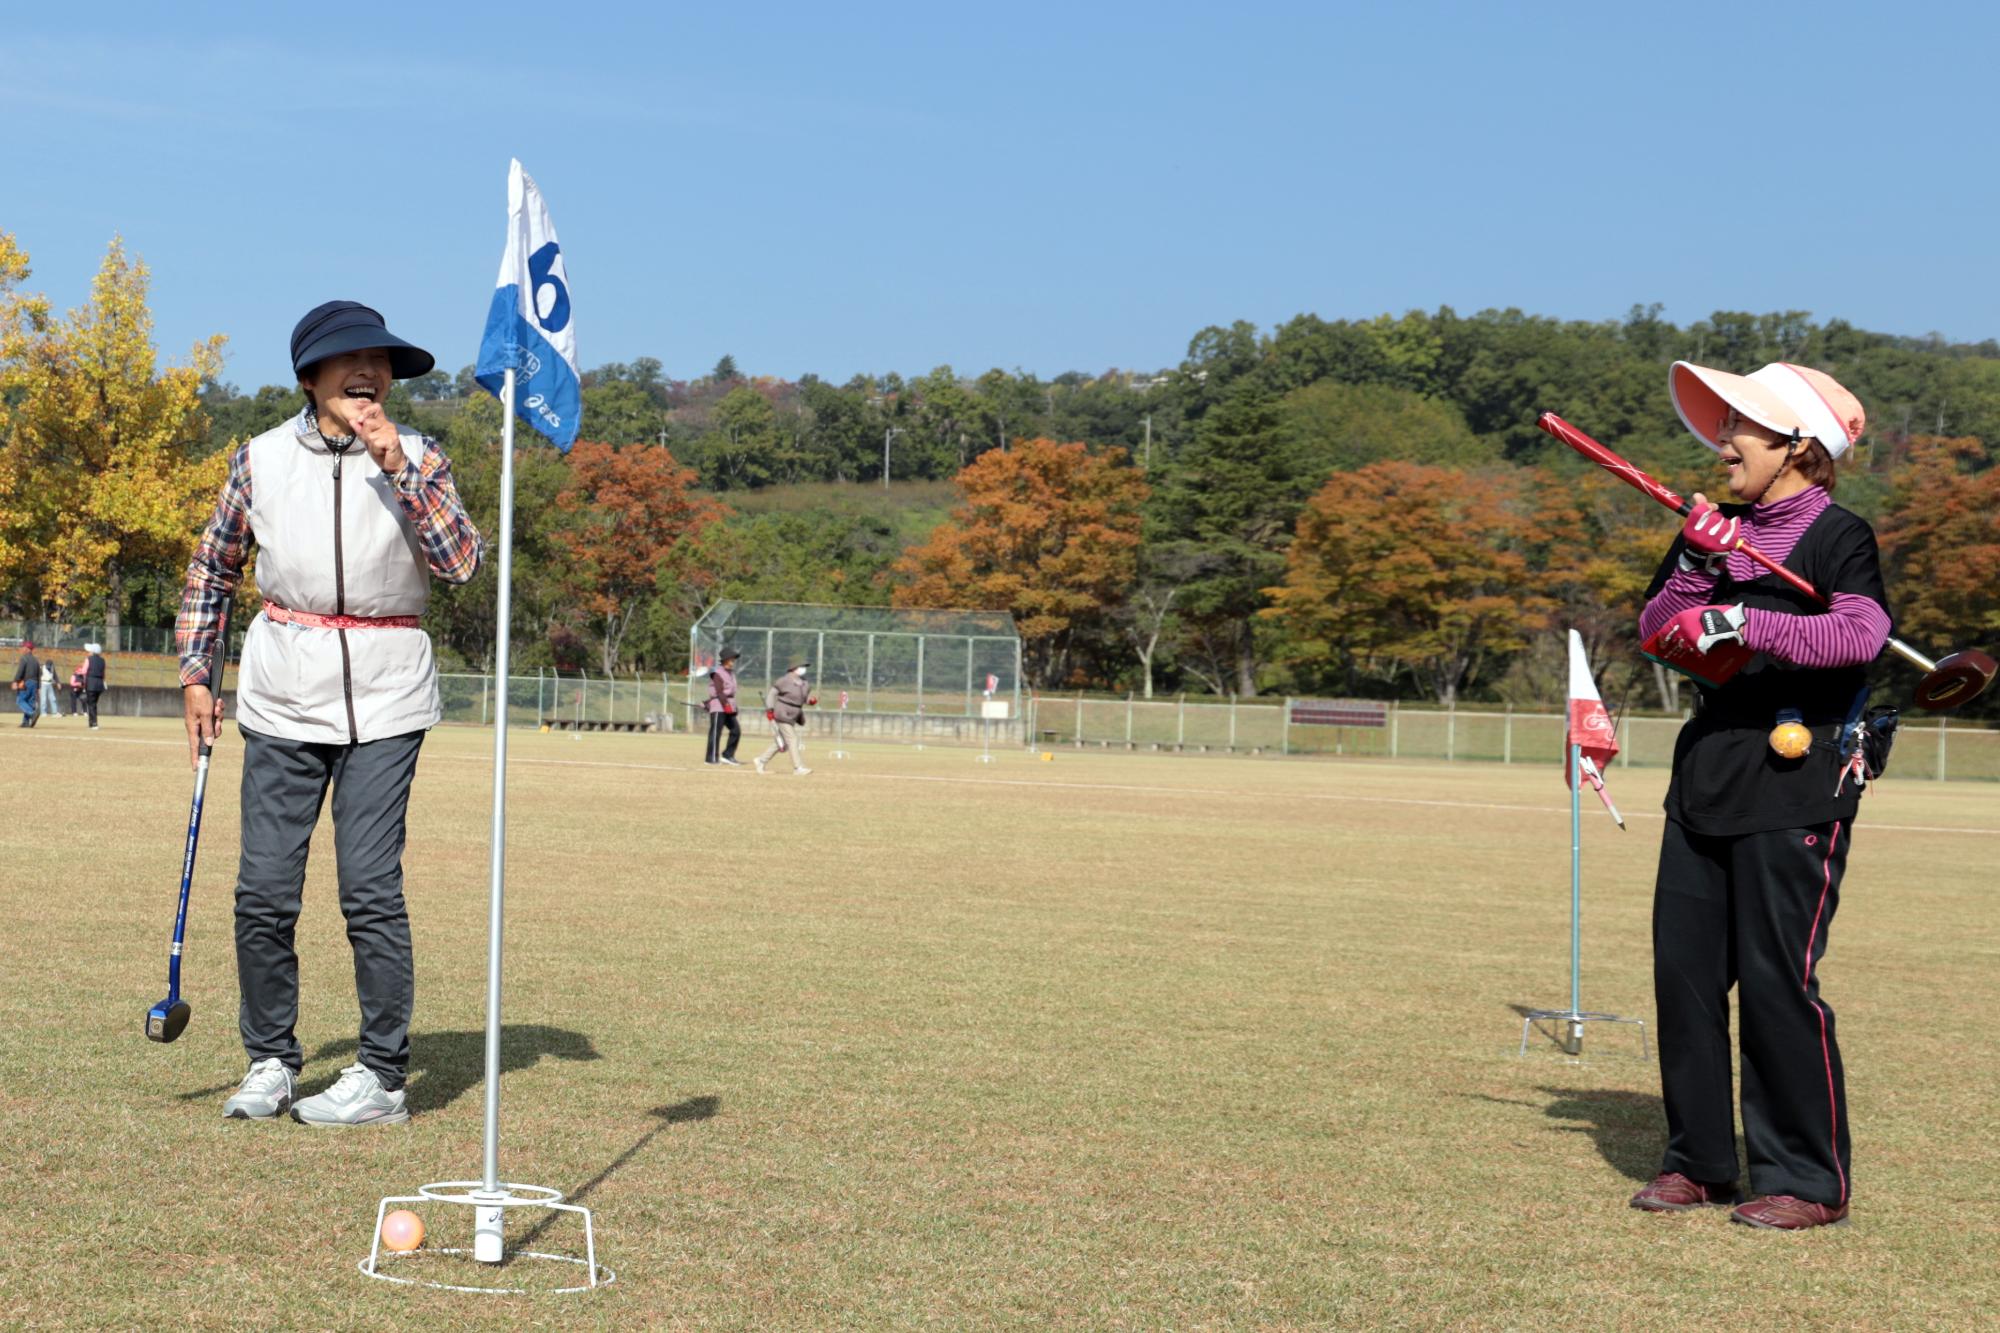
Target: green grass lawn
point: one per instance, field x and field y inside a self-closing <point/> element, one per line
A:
<point x="1108" y="1041"/>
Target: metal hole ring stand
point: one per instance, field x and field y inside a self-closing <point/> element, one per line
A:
<point x="473" y="1194"/>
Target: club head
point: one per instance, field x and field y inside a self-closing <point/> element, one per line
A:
<point x="1957" y="680"/>
<point x="164" y="1021"/>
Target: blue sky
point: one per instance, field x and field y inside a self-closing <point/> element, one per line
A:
<point x="836" y="188"/>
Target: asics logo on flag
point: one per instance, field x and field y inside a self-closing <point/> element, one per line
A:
<point x="548" y="288"/>
<point x="540" y="407"/>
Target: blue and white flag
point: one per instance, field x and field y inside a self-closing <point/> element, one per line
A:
<point x="528" y="326"/>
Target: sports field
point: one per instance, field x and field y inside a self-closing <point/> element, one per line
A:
<point x="1108" y="1041"/>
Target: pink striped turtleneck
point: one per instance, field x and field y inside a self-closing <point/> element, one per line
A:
<point x="1850" y="632"/>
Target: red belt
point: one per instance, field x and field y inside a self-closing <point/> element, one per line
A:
<point x="313" y="620"/>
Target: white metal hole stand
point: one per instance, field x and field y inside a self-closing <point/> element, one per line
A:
<point x="1572" y="1019"/>
<point x="488" y="1205"/>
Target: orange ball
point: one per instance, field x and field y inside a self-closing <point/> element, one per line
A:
<point x="402" y="1231"/>
<point x="1790" y="739"/>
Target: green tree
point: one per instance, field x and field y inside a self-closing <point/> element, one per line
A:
<point x="1226" y="513"/>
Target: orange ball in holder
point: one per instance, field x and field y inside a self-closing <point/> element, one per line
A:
<point x="1791" y="739"/>
<point x="402" y="1231"/>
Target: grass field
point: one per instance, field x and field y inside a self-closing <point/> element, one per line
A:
<point x="1111" y="1041"/>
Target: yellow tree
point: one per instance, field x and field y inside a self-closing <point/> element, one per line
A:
<point x="102" y="474"/>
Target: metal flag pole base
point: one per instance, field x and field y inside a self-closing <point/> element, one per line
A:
<point x="1569" y="1035"/>
<point x="489" y="1208"/>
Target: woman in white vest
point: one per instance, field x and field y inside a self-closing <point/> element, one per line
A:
<point x="350" y="516"/>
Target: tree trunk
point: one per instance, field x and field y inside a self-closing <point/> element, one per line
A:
<point x="114" y="607"/>
<point x="1669" y="686"/>
<point x="1246" y="664"/>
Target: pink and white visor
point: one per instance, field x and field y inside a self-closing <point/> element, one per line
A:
<point x="1780" y="397"/>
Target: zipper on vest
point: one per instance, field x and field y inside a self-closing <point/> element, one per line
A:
<point x="340" y="603"/>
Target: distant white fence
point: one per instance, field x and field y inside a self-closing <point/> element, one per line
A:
<point x="1926" y="748"/>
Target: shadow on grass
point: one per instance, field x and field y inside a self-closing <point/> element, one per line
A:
<point x="694" y="1108"/>
<point x="444" y="1066"/>
<point x="1628" y="1128"/>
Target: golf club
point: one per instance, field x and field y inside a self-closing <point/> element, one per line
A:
<point x="166" y="1020"/>
<point x="1948" y="682"/>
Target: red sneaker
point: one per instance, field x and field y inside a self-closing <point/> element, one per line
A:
<point x="1672" y="1192"/>
<point x="1782" y="1212"/>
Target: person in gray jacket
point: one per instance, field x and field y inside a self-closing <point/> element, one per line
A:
<point x="785" y="704"/>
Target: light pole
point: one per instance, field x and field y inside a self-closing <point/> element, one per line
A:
<point x="888" y="435"/>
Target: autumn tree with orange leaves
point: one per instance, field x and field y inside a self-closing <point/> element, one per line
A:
<point x="1047" y="531"/>
<point x="635" y="522"/>
<point x="1399" y="568"/>
<point x="1941" y="543"/>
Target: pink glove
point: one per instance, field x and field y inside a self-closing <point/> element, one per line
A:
<point x="1707" y="537"/>
<point x="1706" y="628"/>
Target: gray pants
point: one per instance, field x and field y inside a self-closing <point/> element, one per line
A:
<point x="790" y="735"/>
<point x="284" y="785"/>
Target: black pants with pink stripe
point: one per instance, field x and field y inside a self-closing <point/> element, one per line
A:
<point x="1751" y="912"/>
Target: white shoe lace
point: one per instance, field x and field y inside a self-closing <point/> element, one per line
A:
<point x="265" y="1077"/>
<point x="352" y="1085"/>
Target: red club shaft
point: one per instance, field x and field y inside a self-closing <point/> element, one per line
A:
<point x="1626" y="472"/>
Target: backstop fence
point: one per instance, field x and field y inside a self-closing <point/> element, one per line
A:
<point x="884" y="660"/>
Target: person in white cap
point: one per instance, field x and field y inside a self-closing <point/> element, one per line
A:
<point x="1755" y="842"/>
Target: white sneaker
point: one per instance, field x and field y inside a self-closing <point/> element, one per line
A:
<point x="759" y="763"/>
<point x="733" y="763"/>
<point x="800" y="772"/>
<point x="264" y="1094"/>
<point x="358" y="1098"/>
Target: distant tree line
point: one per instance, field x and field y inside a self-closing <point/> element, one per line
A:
<point x="1350" y="506"/>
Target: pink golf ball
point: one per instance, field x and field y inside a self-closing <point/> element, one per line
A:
<point x="402" y="1231"/>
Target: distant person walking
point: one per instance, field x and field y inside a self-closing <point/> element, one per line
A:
<point x="93" y="680"/>
<point x="27" y="682"/>
<point x="722" y="710"/>
<point x="76" y="690"/>
<point x="50" y="703"/>
<point x="785" y="704"/>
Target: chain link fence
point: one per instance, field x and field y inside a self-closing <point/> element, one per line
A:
<point x="1925" y="748"/>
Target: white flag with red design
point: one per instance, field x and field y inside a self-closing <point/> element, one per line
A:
<point x="1590" y="728"/>
<point x="1589" y="723"/>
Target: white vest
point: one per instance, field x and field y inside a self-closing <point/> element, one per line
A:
<point x="295" y="682"/>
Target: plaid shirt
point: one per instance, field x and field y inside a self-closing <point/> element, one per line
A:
<point x="452" y="546"/>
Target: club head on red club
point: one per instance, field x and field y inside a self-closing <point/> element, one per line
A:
<point x="165" y="1020"/>
<point x="1957" y="680"/>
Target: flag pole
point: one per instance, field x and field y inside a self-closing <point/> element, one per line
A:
<point x="487" y="1241"/>
<point x="1576" y="885"/>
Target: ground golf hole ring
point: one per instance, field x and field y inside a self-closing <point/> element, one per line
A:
<point x="471" y="1193"/>
<point x="604" y="1277"/>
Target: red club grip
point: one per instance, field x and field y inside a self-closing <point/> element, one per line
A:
<point x="1610" y="462"/>
<point x="1623" y="470"/>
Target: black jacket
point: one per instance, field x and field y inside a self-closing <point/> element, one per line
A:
<point x="28" y="672"/>
<point x="93" y="673"/>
